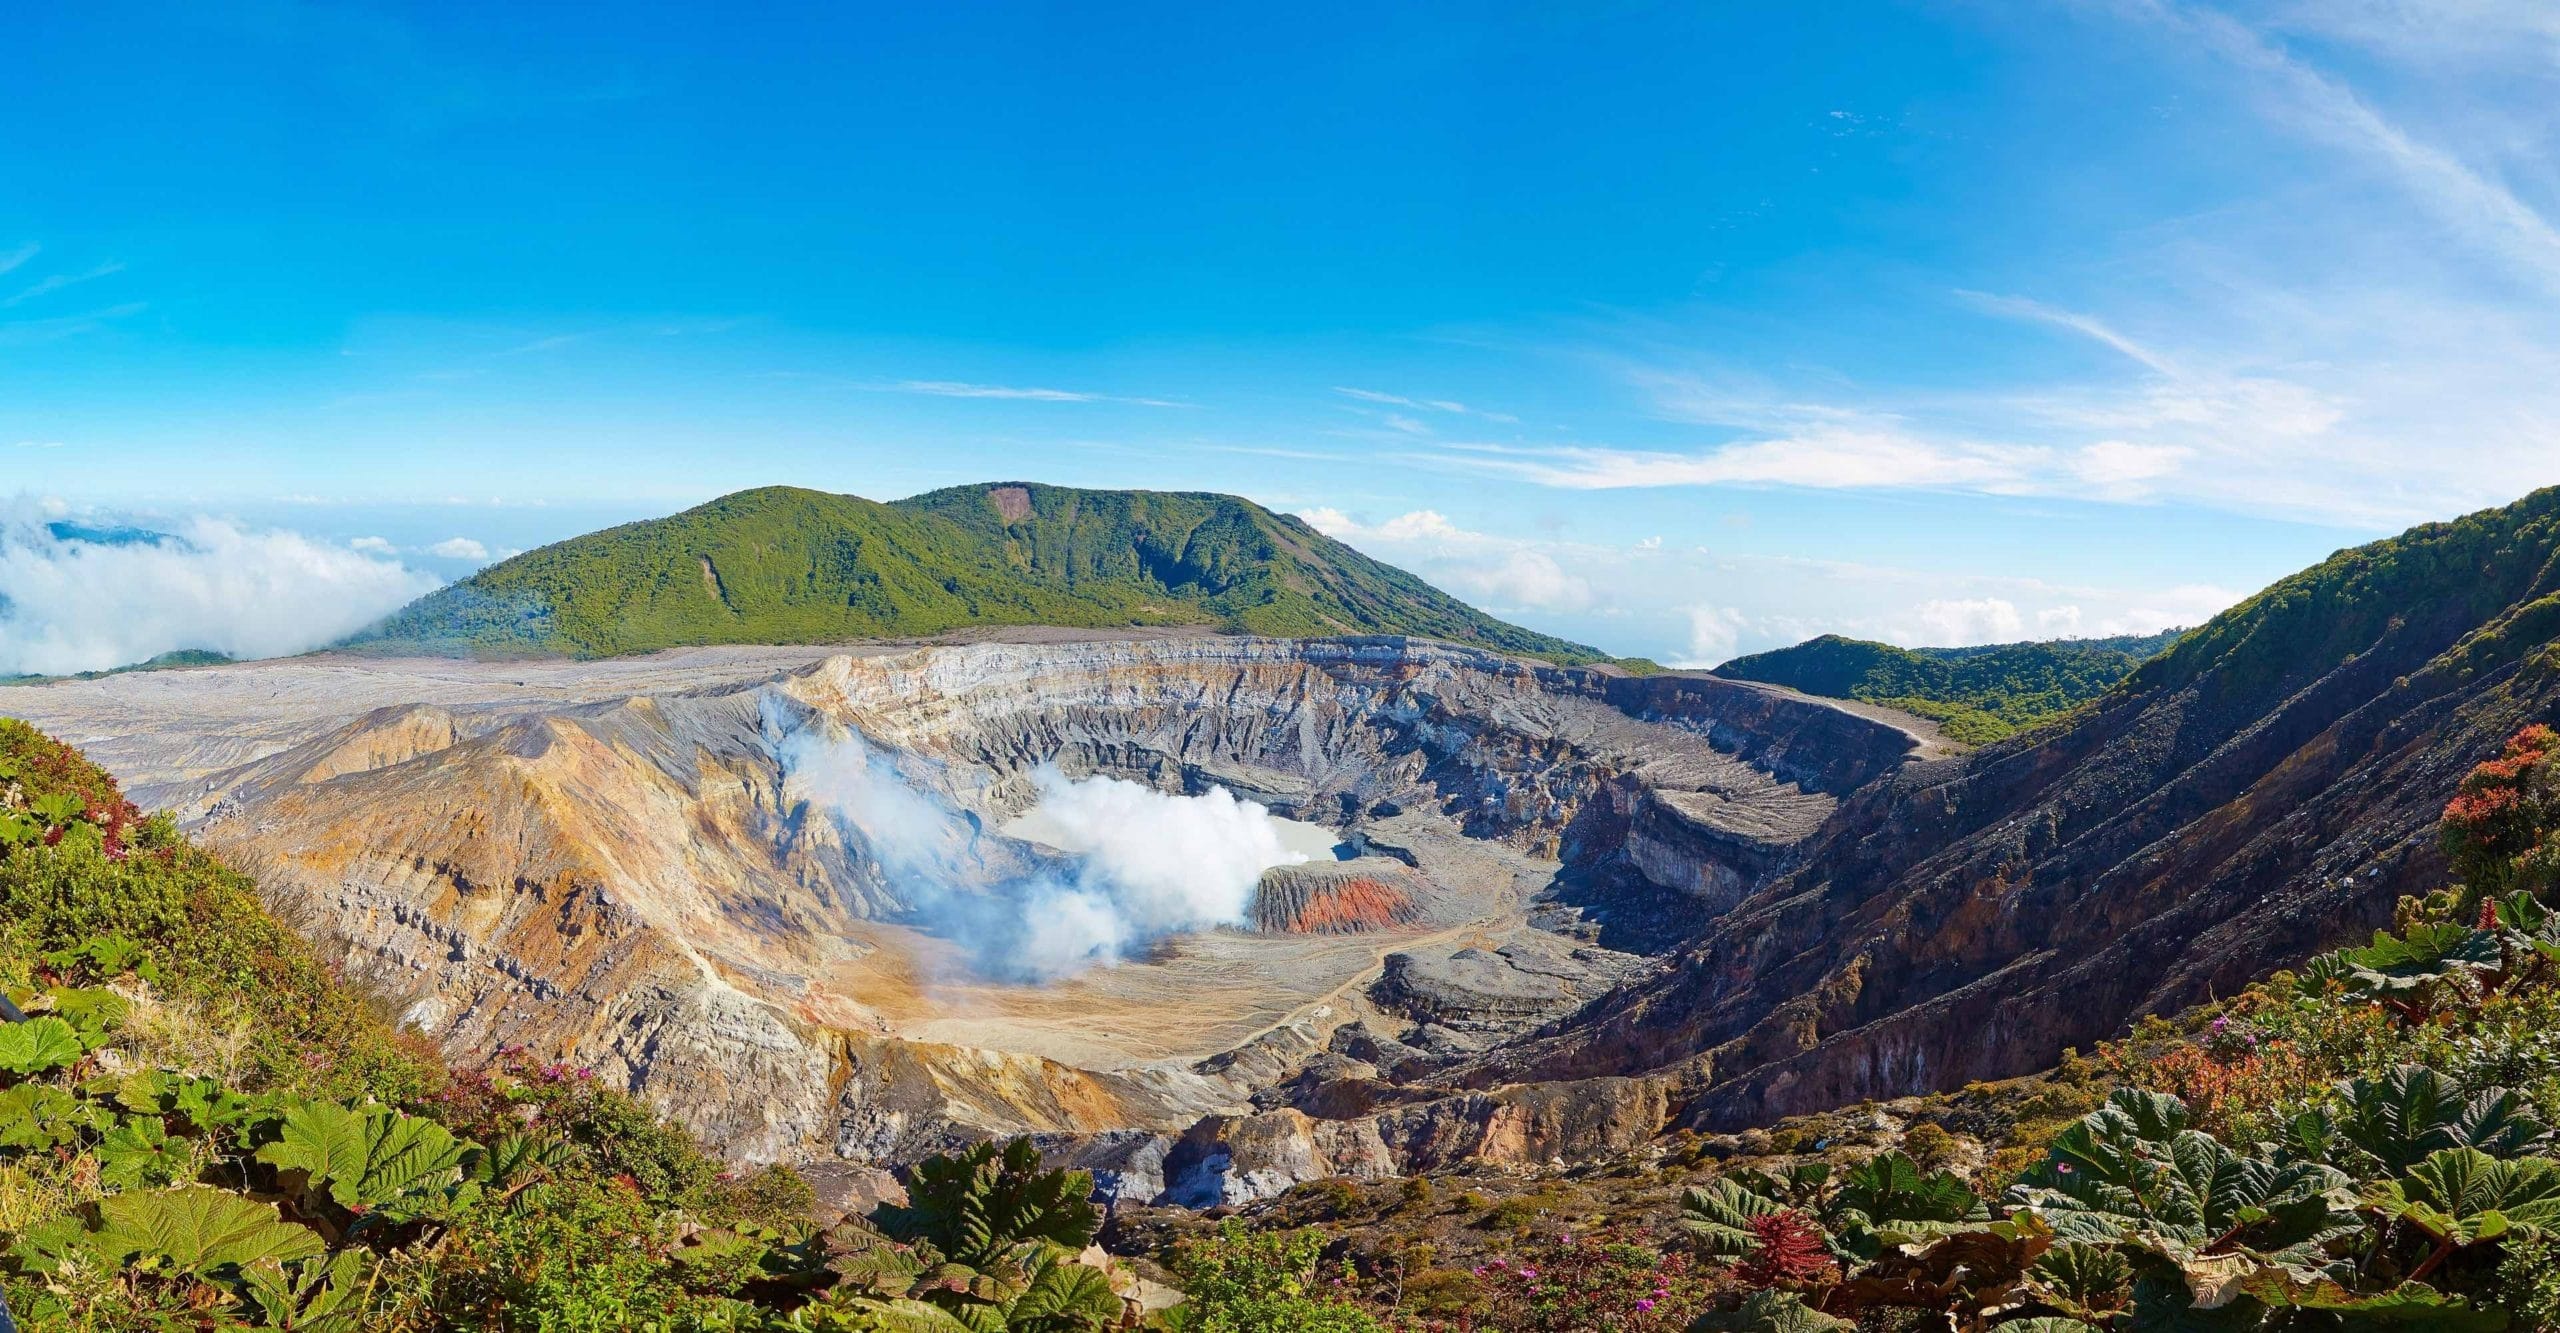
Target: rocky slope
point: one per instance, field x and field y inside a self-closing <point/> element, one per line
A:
<point x="643" y="882"/>
<point x="2266" y="788"/>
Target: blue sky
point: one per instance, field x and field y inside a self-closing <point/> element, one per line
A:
<point x="1679" y="329"/>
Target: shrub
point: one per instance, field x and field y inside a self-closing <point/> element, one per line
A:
<point x="2528" y="1282"/>
<point x="1243" y="1282"/>
<point x="1930" y="1145"/>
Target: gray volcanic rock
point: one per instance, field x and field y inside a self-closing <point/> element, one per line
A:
<point x="1488" y="992"/>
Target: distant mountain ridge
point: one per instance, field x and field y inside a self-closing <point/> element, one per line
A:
<point x="785" y="565"/>
<point x="1978" y="694"/>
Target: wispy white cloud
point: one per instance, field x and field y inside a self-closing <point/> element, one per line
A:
<point x="962" y="389"/>
<point x="1502" y="574"/>
<point x="1424" y="404"/>
<point x="460" y="548"/>
<point x="1879" y="455"/>
<point x="1715" y="633"/>
<point x="2466" y="199"/>
<point x="24" y="331"/>
<point x="56" y="282"/>
<point x="2089" y="326"/>
<point x="1696" y="606"/>
<point x="11" y="259"/>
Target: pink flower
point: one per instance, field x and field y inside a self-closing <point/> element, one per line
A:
<point x="1644" y="1307"/>
<point x="1528" y="1275"/>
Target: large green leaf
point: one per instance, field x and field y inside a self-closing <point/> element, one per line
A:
<point x="39" y="1045"/>
<point x="198" y="1230"/>
<point x="2409" y="1305"/>
<point x="33" y="1116"/>
<point x="2462" y="1196"/>
<point x="315" y="1296"/>
<point x="139" y="1152"/>
<point x="1720" y="1216"/>
<point x="372" y="1161"/>
<point x="1892" y="1188"/>
<point x="977" y="1205"/>
<point x="865" y="1260"/>
<point x="517" y="1160"/>
<point x="2123" y="1172"/>
<point x="2084" y="1276"/>
<point x="2412" y="1112"/>
<point x="1771" y="1312"/>
<point x="1064" y="1297"/>
<point x="904" y="1316"/>
<point x="93" y="1012"/>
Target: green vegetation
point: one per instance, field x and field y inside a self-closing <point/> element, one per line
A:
<point x="202" y="1127"/>
<point x="1977" y="695"/>
<point x="1242" y="1282"/>
<point x="782" y="565"/>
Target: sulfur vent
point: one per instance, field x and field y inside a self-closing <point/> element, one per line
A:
<point x="1337" y="897"/>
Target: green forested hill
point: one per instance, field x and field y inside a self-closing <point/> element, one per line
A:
<point x="1979" y="694"/>
<point x="785" y="565"/>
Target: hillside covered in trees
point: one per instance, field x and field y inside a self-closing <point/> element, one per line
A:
<point x="785" y="565"/>
<point x="1977" y="694"/>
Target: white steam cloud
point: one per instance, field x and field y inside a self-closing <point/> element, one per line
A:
<point x="1140" y="865"/>
<point x="75" y="597"/>
<point x="1150" y="865"/>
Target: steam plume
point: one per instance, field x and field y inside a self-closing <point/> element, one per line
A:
<point x="1141" y="865"/>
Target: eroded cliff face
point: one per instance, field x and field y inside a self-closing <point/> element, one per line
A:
<point x="2267" y="791"/>
<point x="639" y="883"/>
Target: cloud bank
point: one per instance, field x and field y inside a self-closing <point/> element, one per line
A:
<point x="1693" y="606"/>
<point x="85" y="597"/>
<point x="1140" y="865"/>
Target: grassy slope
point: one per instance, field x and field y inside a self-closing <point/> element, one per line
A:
<point x="1981" y="694"/>
<point x="784" y="565"/>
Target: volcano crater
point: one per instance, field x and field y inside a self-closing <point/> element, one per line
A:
<point x="620" y="863"/>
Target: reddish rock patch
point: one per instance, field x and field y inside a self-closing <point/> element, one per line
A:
<point x="1325" y="900"/>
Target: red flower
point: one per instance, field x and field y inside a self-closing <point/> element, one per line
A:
<point x="1786" y="1251"/>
